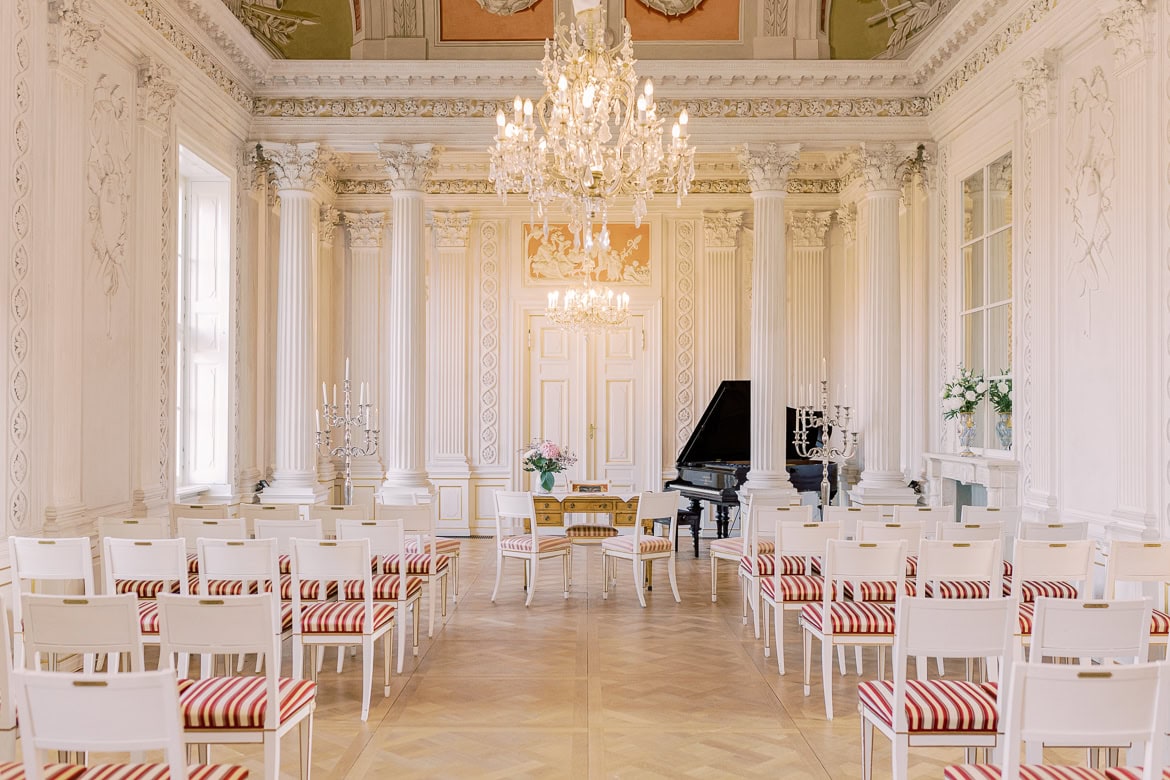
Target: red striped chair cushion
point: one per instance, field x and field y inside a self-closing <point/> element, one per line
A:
<point x="418" y="563"/>
<point x="1027" y="617"/>
<point x="851" y="617"/>
<point x="649" y="544"/>
<point x="911" y="565"/>
<point x="148" y="621"/>
<point x="935" y="705"/>
<point x="12" y="770"/>
<point x="1007" y="568"/>
<point x="1159" y="623"/>
<point x="239" y="702"/>
<point x="733" y="547"/>
<point x="342" y="617"/>
<point x="192" y="563"/>
<point x="882" y="590"/>
<point x="146" y="589"/>
<point x="450" y="547"/>
<point x="310" y="589"/>
<point x="1045" y="772"/>
<point x="284" y="563"/>
<point x="222" y="587"/>
<point x="523" y="544"/>
<point x="958" y="589"/>
<point x="285" y="616"/>
<point x="1032" y="589"/>
<point x="766" y="564"/>
<point x="795" y="587"/>
<point x="584" y="531"/>
<point x="385" y="588"/>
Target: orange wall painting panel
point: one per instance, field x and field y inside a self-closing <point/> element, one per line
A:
<point x="551" y="260"/>
<point x="464" y="20"/>
<point x="713" y="20"/>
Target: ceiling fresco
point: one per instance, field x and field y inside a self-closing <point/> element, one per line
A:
<point x="322" y="29"/>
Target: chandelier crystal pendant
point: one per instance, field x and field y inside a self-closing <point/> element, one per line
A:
<point x="588" y="308"/>
<point x="593" y="136"/>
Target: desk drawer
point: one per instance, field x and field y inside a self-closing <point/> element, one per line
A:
<point x="626" y="506"/>
<point x="588" y="504"/>
<point x="625" y="519"/>
<point x="549" y="518"/>
<point x="546" y="504"/>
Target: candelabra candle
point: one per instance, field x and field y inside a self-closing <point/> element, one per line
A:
<point x="347" y="419"/>
<point x="819" y="414"/>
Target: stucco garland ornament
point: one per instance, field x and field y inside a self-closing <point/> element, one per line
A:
<point x="672" y="7"/>
<point x="505" y="7"/>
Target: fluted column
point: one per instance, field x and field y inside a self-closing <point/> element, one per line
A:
<point x="326" y="343"/>
<point x="720" y="292"/>
<point x="71" y="35"/>
<point x="767" y="167"/>
<point x="844" y="316"/>
<point x="297" y="169"/>
<point x="448" y="311"/>
<point x="404" y="423"/>
<point x="806" y="303"/>
<point x="365" y="230"/>
<point x="882" y="482"/>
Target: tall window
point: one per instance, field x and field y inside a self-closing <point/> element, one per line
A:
<point x="204" y="260"/>
<point x="987" y="282"/>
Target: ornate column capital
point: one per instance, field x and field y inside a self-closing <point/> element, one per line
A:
<point x="72" y="33"/>
<point x="295" y="166"/>
<point x="884" y="166"/>
<point x="327" y="226"/>
<point x="156" y="92"/>
<point x="1127" y="27"/>
<point x="365" y="228"/>
<point x="808" y="228"/>
<point x="409" y="165"/>
<point x="450" y="228"/>
<point x="768" y="165"/>
<point x="1036" y="83"/>
<point x="721" y="228"/>
<point x="847" y="219"/>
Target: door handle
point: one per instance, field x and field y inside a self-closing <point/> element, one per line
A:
<point x="592" y="431"/>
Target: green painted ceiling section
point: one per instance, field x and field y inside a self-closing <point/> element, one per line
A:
<point x="326" y="33"/>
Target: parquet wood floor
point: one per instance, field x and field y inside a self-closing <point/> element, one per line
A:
<point x="589" y="688"/>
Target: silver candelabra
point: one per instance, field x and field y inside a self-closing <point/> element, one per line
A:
<point x="342" y="418"/>
<point x="828" y="418"/>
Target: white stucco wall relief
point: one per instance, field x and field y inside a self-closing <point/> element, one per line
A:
<point x="489" y="342"/>
<point x="684" y="247"/>
<point x="107" y="179"/>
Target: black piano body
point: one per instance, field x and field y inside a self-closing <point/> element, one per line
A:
<point x="715" y="461"/>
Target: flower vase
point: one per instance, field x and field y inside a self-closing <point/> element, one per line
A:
<point x="966" y="433"/>
<point x="547" y="479"/>
<point x="1003" y="429"/>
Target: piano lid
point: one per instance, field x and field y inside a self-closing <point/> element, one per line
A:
<point x="724" y="432"/>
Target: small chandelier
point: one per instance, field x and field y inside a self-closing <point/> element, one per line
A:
<point x="593" y="136"/>
<point x="588" y="308"/>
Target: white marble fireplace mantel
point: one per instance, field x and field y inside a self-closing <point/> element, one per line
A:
<point x="1000" y="476"/>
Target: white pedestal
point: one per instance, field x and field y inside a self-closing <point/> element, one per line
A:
<point x="1000" y="476"/>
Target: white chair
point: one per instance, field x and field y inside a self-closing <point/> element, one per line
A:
<point x="1008" y="515"/>
<point x="329" y="514"/>
<point x="1053" y="532"/>
<point x="191" y="529"/>
<point x="136" y="712"/>
<point x="850" y="516"/>
<point x="931" y="517"/>
<point x="57" y="626"/>
<point x="210" y="511"/>
<point x="1067" y="704"/>
<point x="515" y="510"/>
<point x="1091" y="630"/>
<point x="1136" y="565"/>
<point x="642" y="549"/>
<point x="283" y="531"/>
<point x="940" y="712"/>
<point x="859" y="623"/>
<point x="145" y="567"/>
<point x="34" y="560"/>
<point x="1049" y="569"/>
<point x="421" y="554"/>
<point x="7" y="705"/>
<point x="243" y="566"/>
<point x="734" y="548"/>
<point x="759" y="558"/>
<point x="913" y="533"/>
<point x="785" y="591"/>
<point x="339" y="622"/>
<point x="960" y="569"/>
<point x="386" y="508"/>
<point x="387" y="540"/>
<point x="253" y="512"/>
<point x="133" y="528"/>
<point x="236" y="710"/>
<point x="970" y="532"/>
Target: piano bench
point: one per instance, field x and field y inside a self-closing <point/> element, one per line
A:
<point x="688" y="518"/>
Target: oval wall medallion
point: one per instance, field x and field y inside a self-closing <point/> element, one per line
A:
<point x="506" y="7"/>
<point x="671" y="7"/>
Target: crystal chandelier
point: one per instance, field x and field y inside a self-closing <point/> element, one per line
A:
<point x="593" y="136"/>
<point x="588" y="308"/>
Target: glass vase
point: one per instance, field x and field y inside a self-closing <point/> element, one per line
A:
<point x="547" y="479"/>
<point x="1003" y="429"/>
<point x="966" y="433"/>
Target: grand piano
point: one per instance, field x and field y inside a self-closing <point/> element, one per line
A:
<point x="717" y="457"/>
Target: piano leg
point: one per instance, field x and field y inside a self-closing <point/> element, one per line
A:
<point x="722" y="521"/>
<point x="696" y="522"/>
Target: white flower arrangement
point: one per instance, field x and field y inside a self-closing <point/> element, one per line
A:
<point x="963" y="393"/>
<point x="1000" y="394"/>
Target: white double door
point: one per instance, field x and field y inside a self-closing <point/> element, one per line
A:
<point x="588" y="392"/>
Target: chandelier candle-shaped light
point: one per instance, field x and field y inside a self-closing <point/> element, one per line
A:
<point x="594" y="136"/>
<point x="588" y="308"/>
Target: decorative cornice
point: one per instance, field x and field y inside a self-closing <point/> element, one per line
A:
<point x="203" y="14"/>
<point x="409" y="165"/>
<point x="72" y="32"/>
<point x="450" y="228"/>
<point x="767" y="166"/>
<point x="808" y="228"/>
<point x="294" y="166"/>
<point x="485" y="187"/>
<point x="884" y="166"/>
<point x="327" y="226"/>
<point x="721" y="229"/>
<point x="847" y="219"/>
<point x="1036" y="83"/>
<point x="365" y="228"/>
<point x="1127" y="28"/>
<point x="156" y="92"/>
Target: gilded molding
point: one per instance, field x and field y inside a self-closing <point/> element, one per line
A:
<point x="485" y="187"/>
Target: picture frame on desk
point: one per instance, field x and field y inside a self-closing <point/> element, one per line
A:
<point x="589" y="487"/>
